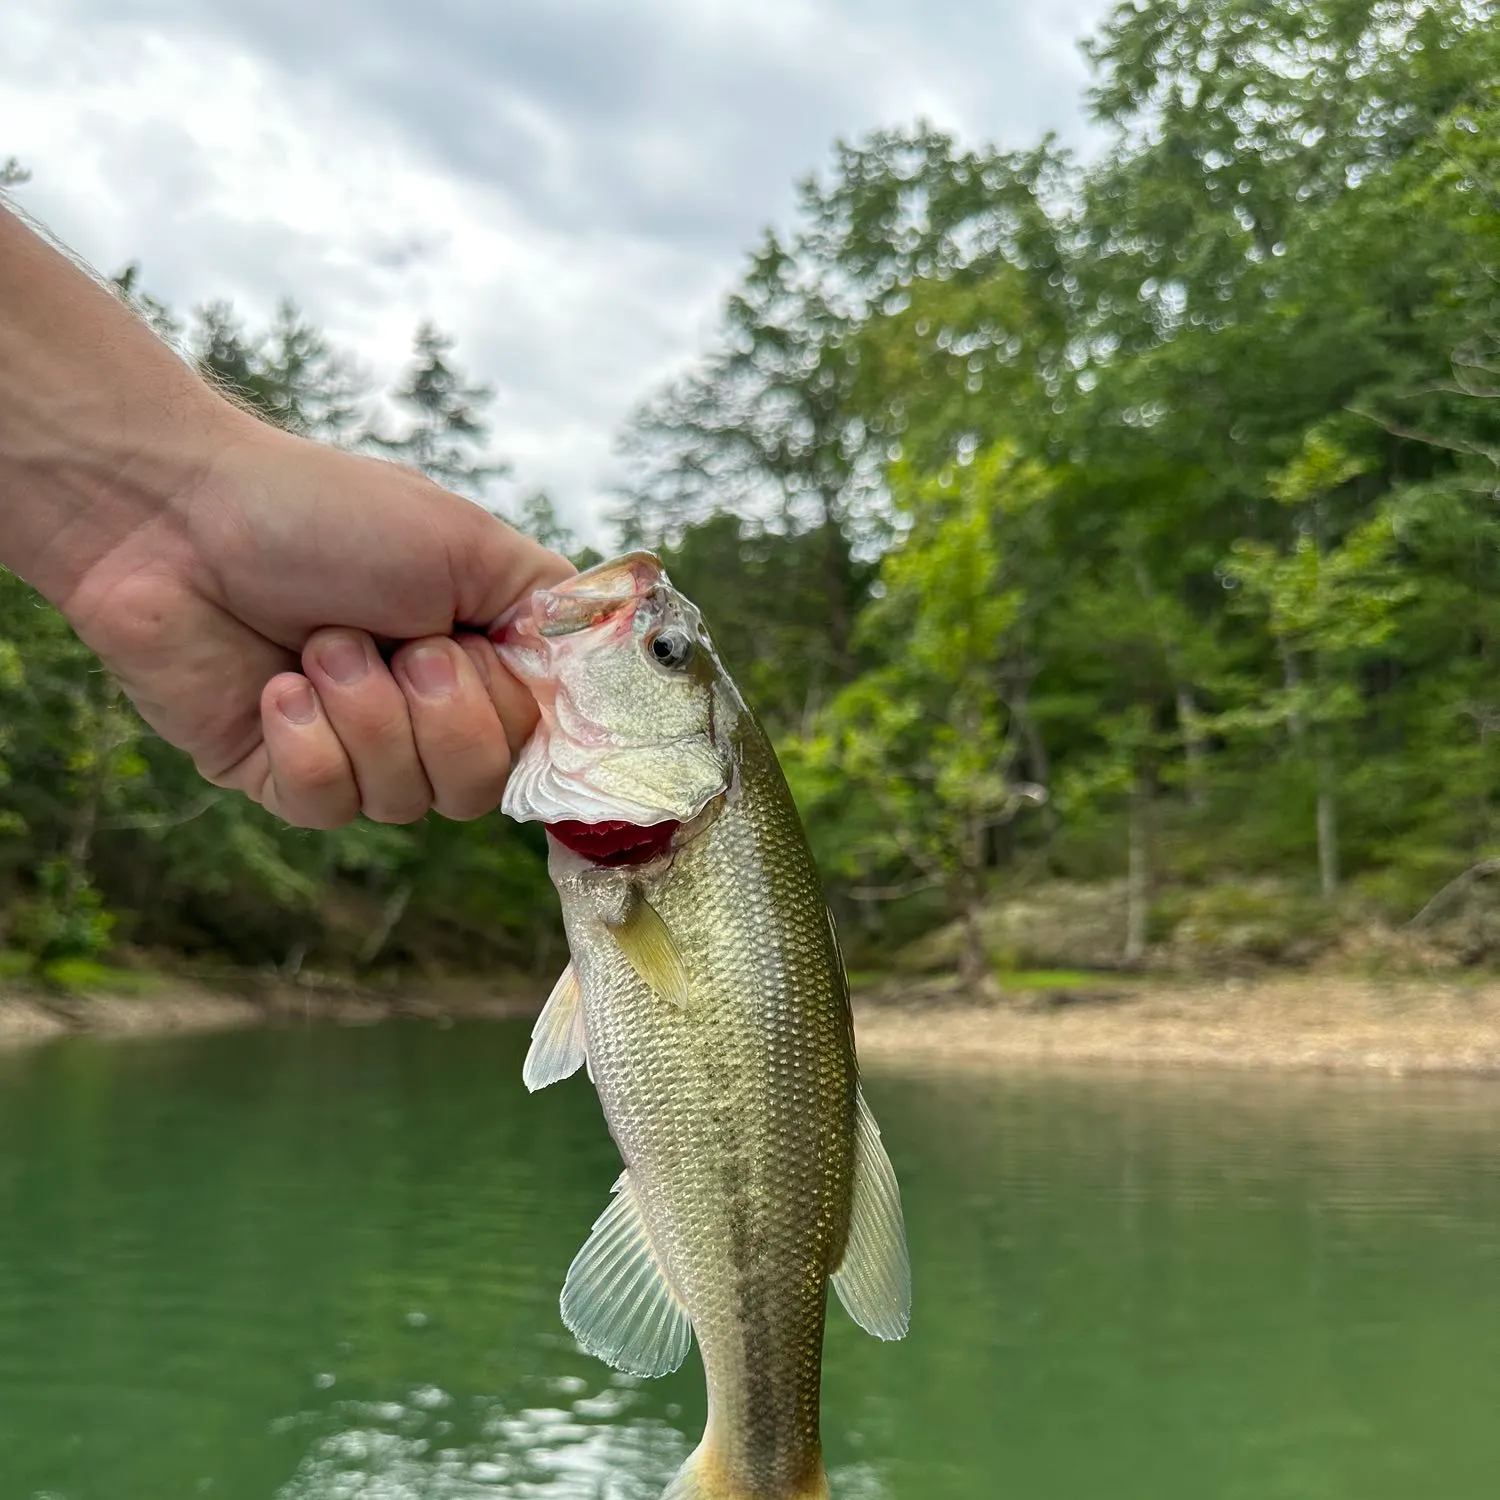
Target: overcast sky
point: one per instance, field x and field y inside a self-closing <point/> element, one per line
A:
<point x="568" y="186"/>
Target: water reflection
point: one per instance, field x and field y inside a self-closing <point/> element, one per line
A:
<point x="590" y="1449"/>
<point x="325" y="1266"/>
<point x="594" y="1448"/>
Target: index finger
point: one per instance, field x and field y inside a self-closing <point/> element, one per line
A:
<point x="512" y="699"/>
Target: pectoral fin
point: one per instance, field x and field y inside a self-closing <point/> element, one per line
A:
<point x="558" y="1042"/>
<point x="874" y="1279"/>
<point x="645" y="941"/>
<point x="616" y="1300"/>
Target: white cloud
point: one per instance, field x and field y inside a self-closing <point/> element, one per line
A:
<point x="568" y="188"/>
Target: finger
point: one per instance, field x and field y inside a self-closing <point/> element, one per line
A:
<point x="311" y="783"/>
<point x="369" y="715"/>
<point x="512" y="699"/>
<point x="459" y="736"/>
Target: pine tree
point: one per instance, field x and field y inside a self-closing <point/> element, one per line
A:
<point x="446" y="433"/>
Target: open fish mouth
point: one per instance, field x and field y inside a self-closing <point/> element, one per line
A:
<point x="586" y="601"/>
<point x="605" y="772"/>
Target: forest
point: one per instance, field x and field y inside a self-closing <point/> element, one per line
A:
<point x="1125" y="523"/>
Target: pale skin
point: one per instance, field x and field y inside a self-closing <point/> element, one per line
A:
<point x="305" y="623"/>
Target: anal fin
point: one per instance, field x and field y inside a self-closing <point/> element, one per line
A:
<point x="616" y="1301"/>
<point x="874" y="1278"/>
<point x="558" y="1042"/>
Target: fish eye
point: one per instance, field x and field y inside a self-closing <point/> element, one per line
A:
<point x="672" y="648"/>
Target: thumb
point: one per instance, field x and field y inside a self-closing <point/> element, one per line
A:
<point x="494" y="566"/>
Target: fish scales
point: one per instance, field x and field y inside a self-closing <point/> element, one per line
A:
<point x="735" y="1115"/>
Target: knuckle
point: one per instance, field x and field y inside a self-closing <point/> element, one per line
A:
<point x="316" y="791"/>
<point x="465" y="797"/>
<point x="372" y="741"/>
<point x="374" y="707"/>
<point x="323" y="776"/>
<point x="466" y="808"/>
<point x="138" y="612"/>
<point x="294" y="807"/>
<point x="458" y="744"/>
<point x="397" y="813"/>
<point x="457" y="729"/>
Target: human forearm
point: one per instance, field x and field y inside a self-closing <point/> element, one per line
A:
<point x="101" y="425"/>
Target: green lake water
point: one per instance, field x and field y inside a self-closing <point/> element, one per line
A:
<point x="324" y="1265"/>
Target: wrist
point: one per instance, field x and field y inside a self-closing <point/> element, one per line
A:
<point x="75" y="495"/>
<point x="102" y="426"/>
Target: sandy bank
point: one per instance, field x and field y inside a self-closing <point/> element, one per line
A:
<point x="172" y="1006"/>
<point x="1303" y="1022"/>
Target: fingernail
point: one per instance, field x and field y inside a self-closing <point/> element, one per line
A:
<point x="298" y="705"/>
<point x="344" y="659"/>
<point x="429" y="669"/>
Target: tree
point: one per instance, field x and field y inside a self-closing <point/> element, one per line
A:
<point x="929" y="737"/>
<point x="763" y="429"/>
<point x="72" y="762"/>
<point x="779" y="423"/>
<point x="764" y="590"/>
<point x="446" y="433"/>
<point x="1325" y="606"/>
<point x="538" y="518"/>
<point x="288" y="372"/>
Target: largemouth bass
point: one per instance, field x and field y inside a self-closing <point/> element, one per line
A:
<point x="707" y="996"/>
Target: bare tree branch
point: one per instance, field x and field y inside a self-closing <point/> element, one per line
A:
<point x="895" y="892"/>
<point x="1454" y="889"/>
<point x="1431" y="439"/>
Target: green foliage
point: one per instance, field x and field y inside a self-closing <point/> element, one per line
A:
<point x="84" y="975"/>
<point x="63" y="919"/>
<point x="1240" y="610"/>
<point x="1165" y="485"/>
<point x="108" y="835"/>
<point x="1043" y="981"/>
<point x="923" y="735"/>
<point x="1266" y="920"/>
<point x="766" y="593"/>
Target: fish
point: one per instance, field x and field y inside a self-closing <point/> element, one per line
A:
<point x="707" y="998"/>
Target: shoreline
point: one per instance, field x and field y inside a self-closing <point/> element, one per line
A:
<point x="172" y="1006"/>
<point x="1304" y="1022"/>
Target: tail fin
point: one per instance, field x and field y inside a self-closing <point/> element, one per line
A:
<point x="700" y="1478"/>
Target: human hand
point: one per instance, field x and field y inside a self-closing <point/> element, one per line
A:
<point x="246" y="620"/>
<point x="206" y="557"/>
